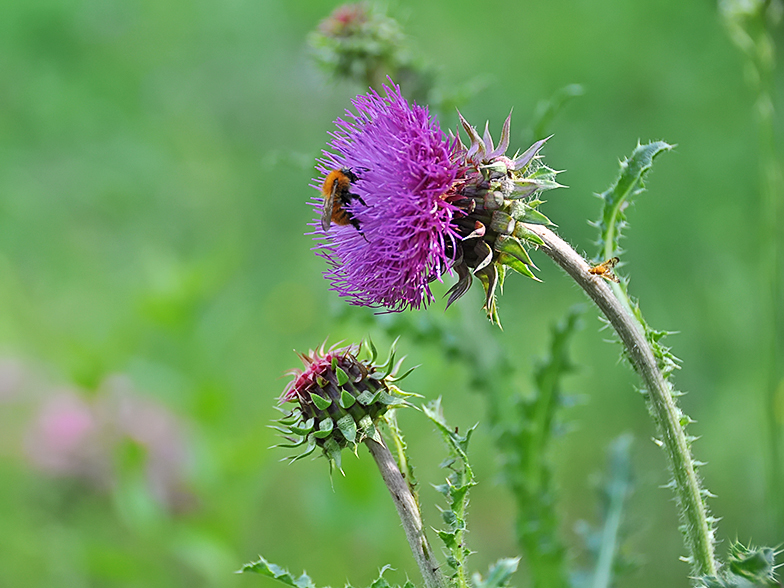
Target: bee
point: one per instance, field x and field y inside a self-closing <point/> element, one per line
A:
<point x="336" y="192"/>
<point x="604" y="269"/>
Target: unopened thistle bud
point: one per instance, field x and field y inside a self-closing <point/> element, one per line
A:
<point x="358" y="41"/>
<point x="339" y="400"/>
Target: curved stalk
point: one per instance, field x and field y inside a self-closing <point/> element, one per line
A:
<point x="408" y="511"/>
<point x="697" y="526"/>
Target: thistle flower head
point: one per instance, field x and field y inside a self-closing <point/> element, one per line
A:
<point x="404" y="236"/>
<point x="421" y="203"/>
<point x="339" y="400"/>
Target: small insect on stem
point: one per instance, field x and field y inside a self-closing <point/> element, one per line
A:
<point x="336" y="191"/>
<point x="604" y="270"/>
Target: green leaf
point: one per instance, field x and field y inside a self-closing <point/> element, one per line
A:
<point x="533" y="216"/>
<point x="526" y="444"/>
<point x="309" y="448"/>
<point x="369" y="429"/>
<point x="381" y="582"/>
<point x="546" y="110"/>
<point x="628" y="184"/>
<point x="293" y="445"/>
<point x="333" y="453"/>
<point x="522" y="232"/>
<point x="278" y="573"/>
<point x="389" y="399"/>
<point x="499" y="574"/>
<point x="615" y="494"/>
<point x="366" y="398"/>
<point x="373" y="350"/>
<point x="405" y="375"/>
<point x="754" y="563"/>
<point x="459" y="481"/>
<point x="386" y="367"/>
<point x="448" y="538"/>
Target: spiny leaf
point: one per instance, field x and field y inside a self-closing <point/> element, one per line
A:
<point x="381" y="582"/>
<point x="499" y="574"/>
<point x="278" y="573"/>
<point x="455" y="489"/>
<point x="547" y="109"/>
<point x="618" y="196"/>
<point x="605" y="541"/>
<point x="526" y="446"/>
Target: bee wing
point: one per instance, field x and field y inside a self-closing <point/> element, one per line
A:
<point x="329" y="203"/>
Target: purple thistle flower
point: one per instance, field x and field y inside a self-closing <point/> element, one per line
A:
<point x="405" y="166"/>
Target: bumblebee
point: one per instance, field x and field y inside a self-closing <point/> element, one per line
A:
<point x="336" y="192"/>
<point x="604" y="269"/>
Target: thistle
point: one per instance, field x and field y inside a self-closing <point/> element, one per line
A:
<point x="425" y="204"/>
<point x="339" y="400"/>
<point x="358" y="41"/>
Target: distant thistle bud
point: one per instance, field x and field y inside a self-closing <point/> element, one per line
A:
<point x="359" y="42"/>
<point x="339" y="399"/>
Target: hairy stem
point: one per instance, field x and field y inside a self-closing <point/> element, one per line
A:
<point x="408" y="511"/>
<point x="697" y="527"/>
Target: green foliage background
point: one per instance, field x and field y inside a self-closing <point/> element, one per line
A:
<point x="154" y="168"/>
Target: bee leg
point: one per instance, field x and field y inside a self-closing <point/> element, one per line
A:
<point x="351" y="197"/>
<point x="355" y="223"/>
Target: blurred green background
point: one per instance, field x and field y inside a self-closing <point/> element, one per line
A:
<point x="154" y="279"/>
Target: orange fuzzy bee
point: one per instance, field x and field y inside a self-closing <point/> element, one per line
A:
<point x="604" y="269"/>
<point x="336" y="192"/>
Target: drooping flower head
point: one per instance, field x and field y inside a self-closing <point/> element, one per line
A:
<point x="405" y="166"/>
<point x="413" y="203"/>
<point x="339" y="399"/>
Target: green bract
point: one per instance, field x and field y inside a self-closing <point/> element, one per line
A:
<point x="496" y="198"/>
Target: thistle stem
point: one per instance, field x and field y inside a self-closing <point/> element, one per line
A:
<point x="408" y="511"/>
<point x="697" y="528"/>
